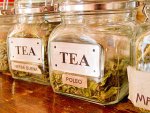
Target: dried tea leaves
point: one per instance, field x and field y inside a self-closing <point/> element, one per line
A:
<point x="104" y="91"/>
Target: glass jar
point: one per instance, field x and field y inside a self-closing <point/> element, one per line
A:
<point x="142" y="60"/>
<point x="5" y="25"/>
<point x="28" y="40"/>
<point x="90" y="50"/>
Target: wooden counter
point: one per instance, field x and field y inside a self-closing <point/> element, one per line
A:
<point x="22" y="97"/>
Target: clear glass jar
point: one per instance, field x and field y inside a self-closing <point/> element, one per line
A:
<point x="142" y="60"/>
<point x="90" y="50"/>
<point x="141" y="54"/>
<point x="28" y="40"/>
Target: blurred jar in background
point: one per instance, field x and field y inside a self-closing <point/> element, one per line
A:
<point x="7" y="20"/>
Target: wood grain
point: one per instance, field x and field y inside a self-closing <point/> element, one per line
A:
<point x="23" y="97"/>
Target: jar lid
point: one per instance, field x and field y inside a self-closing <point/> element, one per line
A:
<point x="97" y="5"/>
<point x="34" y="6"/>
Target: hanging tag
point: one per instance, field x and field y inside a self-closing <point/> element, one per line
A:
<point x="139" y="88"/>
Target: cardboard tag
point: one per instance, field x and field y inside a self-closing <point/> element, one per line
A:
<point x="77" y="81"/>
<point x="139" y="88"/>
<point x="26" y="67"/>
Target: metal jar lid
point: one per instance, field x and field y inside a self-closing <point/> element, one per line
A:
<point x="101" y="5"/>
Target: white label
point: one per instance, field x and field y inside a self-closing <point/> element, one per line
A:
<point x="26" y="67"/>
<point x="139" y="91"/>
<point x="76" y="81"/>
<point x="81" y="59"/>
<point x="25" y="50"/>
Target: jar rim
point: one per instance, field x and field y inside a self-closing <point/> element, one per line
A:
<point x="34" y="10"/>
<point x="50" y="17"/>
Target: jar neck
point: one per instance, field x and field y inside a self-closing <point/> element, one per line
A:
<point x="30" y="19"/>
<point x="38" y="18"/>
<point x="100" y="18"/>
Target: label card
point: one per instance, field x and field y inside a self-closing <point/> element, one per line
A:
<point x="75" y="58"/>
<point x="25" y="50"/>
<point x="25" y="67"/>
<point x="76" y="81"/>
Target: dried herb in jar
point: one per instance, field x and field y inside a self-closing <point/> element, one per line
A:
<point x="4" y="67"/>
<point x="106" y="90"/>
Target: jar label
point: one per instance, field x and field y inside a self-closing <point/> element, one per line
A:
<point x="80" y="82"/>
<point x="26" y="67"/>
<point x="75" y="58"/>
<point x="25" y="50"/>
<point x="139" y="91"/>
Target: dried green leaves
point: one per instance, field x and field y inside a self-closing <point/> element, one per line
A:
<point x="102" y="91"/>
<point x="3" y="57"/>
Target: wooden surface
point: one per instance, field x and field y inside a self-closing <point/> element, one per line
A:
<point x="22" y="97"/>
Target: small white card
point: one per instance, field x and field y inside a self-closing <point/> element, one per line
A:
<point x="139" y="88"/>
<point x="84" y="59"/>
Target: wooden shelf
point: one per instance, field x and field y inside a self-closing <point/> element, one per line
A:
<point x="23" y="97"/>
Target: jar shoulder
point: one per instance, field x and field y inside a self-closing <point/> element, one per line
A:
<point x="89" y="32"/>
<point x="30" y="30"/>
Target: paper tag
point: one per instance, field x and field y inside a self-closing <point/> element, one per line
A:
<point x="81" y="59"/>
<point x="76" y="81"/>
<point x="139" y="91"/>
<point x="25" y="49"/>
<point x="25" y="67"/>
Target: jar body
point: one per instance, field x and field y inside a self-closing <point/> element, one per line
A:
<point x="142" y="52"/>
<point x="5" y="26"/>
<point x="97" y="46"/>
<point x="27" y="44"/>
